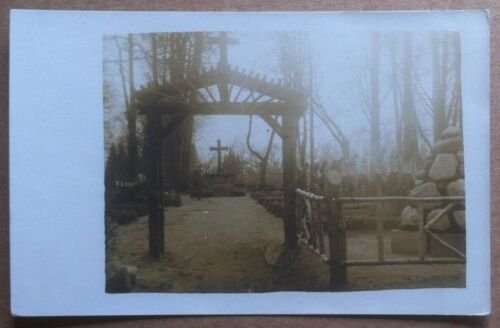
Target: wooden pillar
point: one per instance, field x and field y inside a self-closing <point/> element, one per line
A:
<point x="422" y="236"/>
<point x="337" y="245"/>
<point x="290" y="134"/>
<point x="154" y="185"/>
<point x="336" y="227"/>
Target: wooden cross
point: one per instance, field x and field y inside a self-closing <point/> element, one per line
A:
<point x="219" y="149"/>
<point x="223" y="41"/>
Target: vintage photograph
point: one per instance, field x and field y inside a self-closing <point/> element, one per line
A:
<point x="249" y="162"/>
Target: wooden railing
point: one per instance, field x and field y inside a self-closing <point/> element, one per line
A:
<point x="311" y="220"/>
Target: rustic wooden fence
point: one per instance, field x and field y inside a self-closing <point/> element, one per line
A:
<point x="316" y="212"/>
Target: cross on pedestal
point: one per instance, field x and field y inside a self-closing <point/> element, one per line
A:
<point x="219" y="149"/>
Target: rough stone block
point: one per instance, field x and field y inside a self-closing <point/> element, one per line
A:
<point x="409" y="218"/>
<point x="456" y="188"/>
<point x="427" y="189"/>
<point x="451" y="145"/>
<point x="440" y="225"/>
<point x="444" y="167"/>
<point x="451" y="131"/>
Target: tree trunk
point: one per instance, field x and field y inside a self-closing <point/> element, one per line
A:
<point x="131" y="113"/>
<point x="375" y="157"/>
<point x="411" y="151"/>
<point x="438" y="84"/>
<point x="290" y="134"/>
<point x="396" y="103"/>
<point x="457" y="103"/>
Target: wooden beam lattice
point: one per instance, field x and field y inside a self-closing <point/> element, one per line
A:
<point x="273" y="123"/>
<point x="168" y="94"/>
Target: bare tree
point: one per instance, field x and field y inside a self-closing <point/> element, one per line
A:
<point x="131" y="113"/>
<point x="439" y="72"/>
<point x="375" y="154"/>
<point x="396" y="92"/>
<point x="410" y="144"/>
<point x="262" y="159"/>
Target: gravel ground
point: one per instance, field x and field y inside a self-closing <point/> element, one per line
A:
<point x="218" y="244"/>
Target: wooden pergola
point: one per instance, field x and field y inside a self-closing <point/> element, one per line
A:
<point x="221" y="90"/>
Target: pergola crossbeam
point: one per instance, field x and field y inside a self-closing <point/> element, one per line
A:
<point x="218" y="108"/>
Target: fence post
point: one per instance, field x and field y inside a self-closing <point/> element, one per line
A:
<point x="337" y="242"/>
<point x="380" y="236"/>
<point x="422" y="236"/>
<point x="331" y="183"/>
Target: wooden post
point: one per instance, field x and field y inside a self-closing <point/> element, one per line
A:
<point x="336" y="226"/>
<point x="422" y="237"/>
<point x="153" y="185"/>
<point x="290" y="133"/>
<point x="319" y="214"/>
<point x="380" y="234"/>
<point x="337" y="242"/>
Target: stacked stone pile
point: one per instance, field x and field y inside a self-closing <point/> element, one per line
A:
<point x="442" y="175"/>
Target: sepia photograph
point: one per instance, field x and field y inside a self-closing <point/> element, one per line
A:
<point x="249" y="162"/>
<point x="244" y="163"/>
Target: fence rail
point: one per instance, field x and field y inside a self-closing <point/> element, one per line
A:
<point x="310" y="223"/>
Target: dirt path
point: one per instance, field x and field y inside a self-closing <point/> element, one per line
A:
<point x="218" y="244"/>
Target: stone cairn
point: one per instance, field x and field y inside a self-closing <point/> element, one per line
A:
<point x="442" y="175"/>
